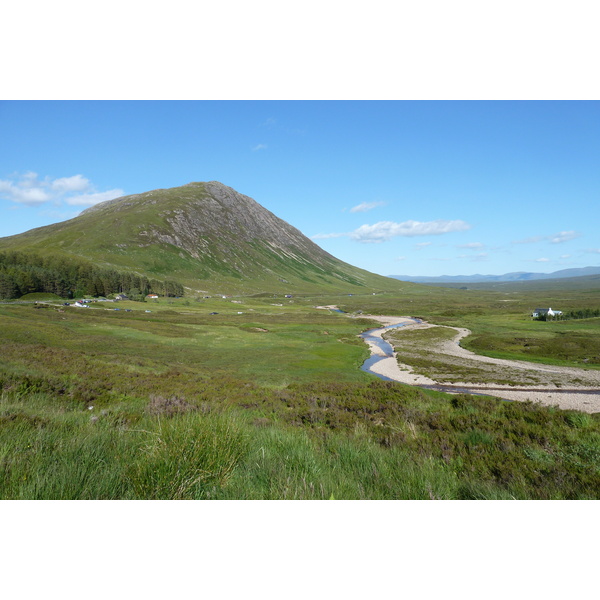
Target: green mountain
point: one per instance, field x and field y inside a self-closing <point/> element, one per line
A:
<point x="206" y="236"/>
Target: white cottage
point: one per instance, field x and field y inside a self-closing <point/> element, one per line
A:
<point x="547" y="312"/>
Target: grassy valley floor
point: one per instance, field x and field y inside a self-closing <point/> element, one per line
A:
<point x="262" y="400"/>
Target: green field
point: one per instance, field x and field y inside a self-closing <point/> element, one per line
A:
<point x="270" y="403"/>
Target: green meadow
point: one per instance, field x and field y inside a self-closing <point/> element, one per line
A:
<point x="265" y="400"/>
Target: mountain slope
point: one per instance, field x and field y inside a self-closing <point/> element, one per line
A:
<point x="205" y="235"/>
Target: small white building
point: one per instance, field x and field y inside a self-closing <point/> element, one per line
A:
<point x="548" y="312"/>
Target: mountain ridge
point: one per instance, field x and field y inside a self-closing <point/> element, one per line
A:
<point x="506" y="277"/>
<point x="204" y="234"/>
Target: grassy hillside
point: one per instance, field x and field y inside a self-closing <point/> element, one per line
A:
<point x="205" y="236"/>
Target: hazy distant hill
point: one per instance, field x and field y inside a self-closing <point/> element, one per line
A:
<point x="585" y="283"/>
<point x="512" y="277"/>
<point x="204" y="235"/>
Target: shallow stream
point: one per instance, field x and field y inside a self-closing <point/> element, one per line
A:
<point x="497" y="392"/>
<point x="384" y="346"/>
<point x="388" y="351"/>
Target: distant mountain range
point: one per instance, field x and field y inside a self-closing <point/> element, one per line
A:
<point x="508" y="277"/>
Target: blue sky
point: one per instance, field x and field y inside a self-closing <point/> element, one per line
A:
<point x="395" y="187"/>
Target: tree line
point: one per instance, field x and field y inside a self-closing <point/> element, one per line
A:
<point x="23" y="273"/>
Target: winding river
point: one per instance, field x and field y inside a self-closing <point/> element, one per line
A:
<point x="582" y="398"/>
<point x="386" y="348"/>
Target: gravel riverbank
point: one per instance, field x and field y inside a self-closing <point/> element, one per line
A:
<point x="566" y="387"/>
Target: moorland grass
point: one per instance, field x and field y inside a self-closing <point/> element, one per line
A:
<point x="109" y="345"/>
<point x="182" y="404"/>
<point x="380" y="441"/>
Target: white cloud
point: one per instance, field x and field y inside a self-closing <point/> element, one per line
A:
<point x="26" y="190"/>
<point x="366" y="206"/>
<point x="386" y="230"/>
<point x="542" y="260"/>
<point x="96" y="198"/>
<point x="77" y="183"/>
<point x="399" y="258"/>
<point x="23" y="194"/>
<point x="593" y="250"/>
<point x="259" y="147"/>
<point x="30" y="190"/>
<point x="565" y="256"/>
<point x="564" y="236"/>
<point x="422" y="245"/>
<point x="29" y="179"/>
<point x="557" y="238"/>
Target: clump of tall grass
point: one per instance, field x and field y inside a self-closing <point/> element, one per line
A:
<point x="50" y="450"/>
<point x="187" y="456"/>
<point x="292" y="464"/>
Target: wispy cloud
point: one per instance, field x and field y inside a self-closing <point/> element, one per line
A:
<point x="31" y="190"/>
<point x="479" y="257"/>
<point x="366" y="206"/>
<point x="542" y="260"/>
<point x="95" y="198"/>
<point x="557" y="238"/>
<point x="422" y="245"/>
<point x="269" y="123"/>
<point x="386" y="230"/>
<point x="472" y="246"/>
<point x="531" y="240"/>
<point x="259" y="147"/>
<point x="564" y="236"/>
